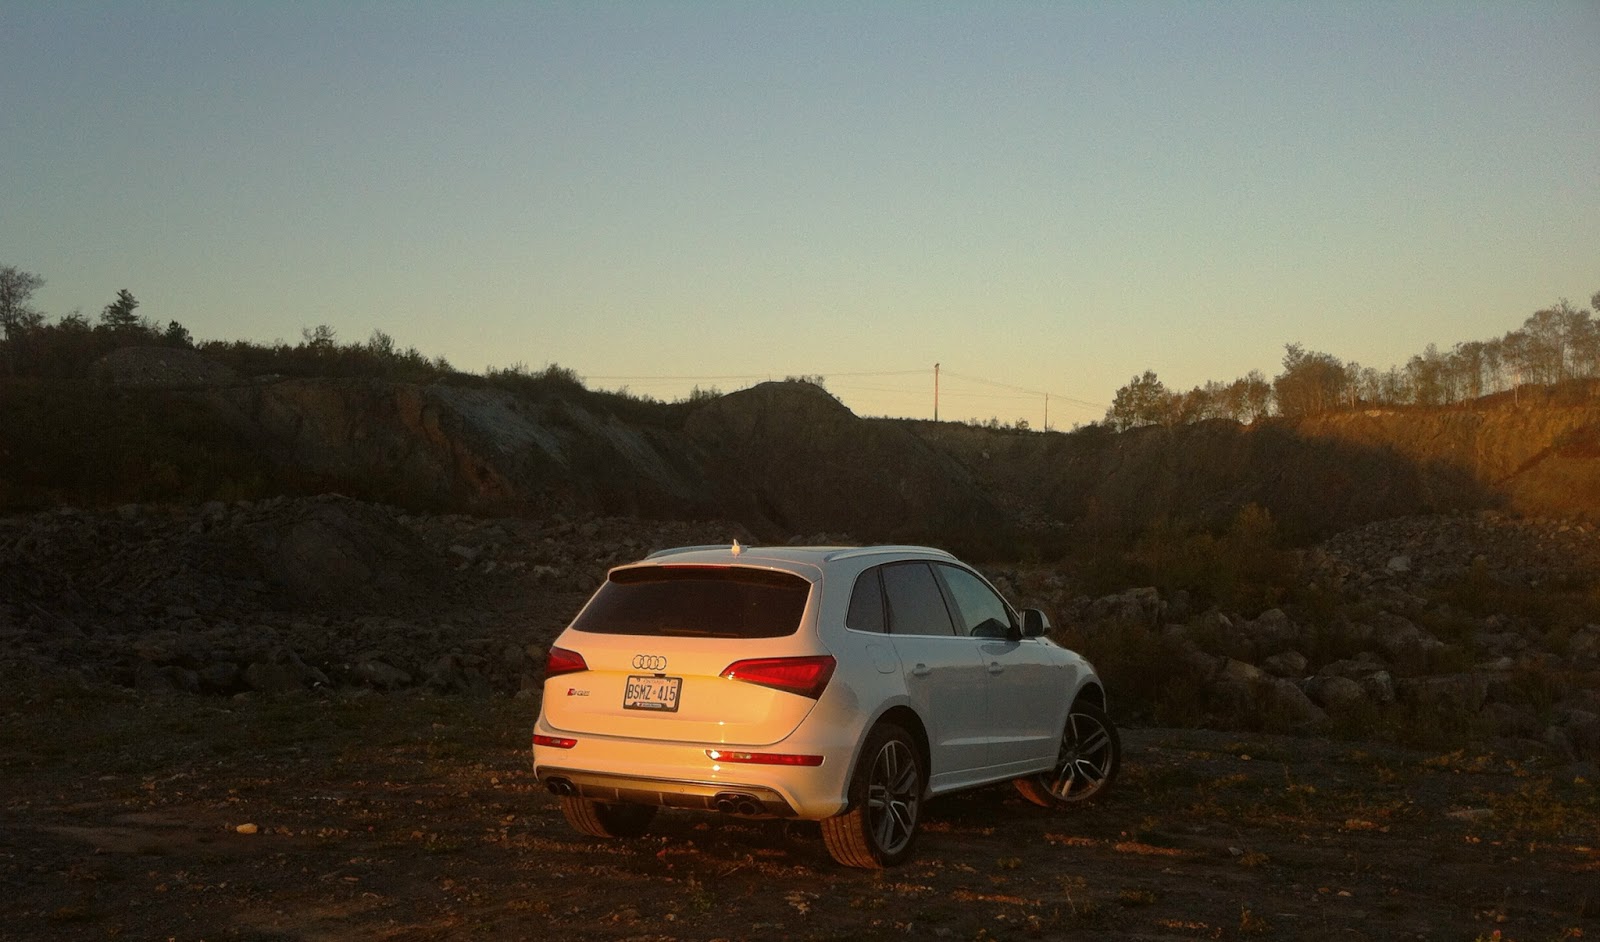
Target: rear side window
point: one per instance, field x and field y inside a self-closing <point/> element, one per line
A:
<point x="866" y="605"/>
<point x="916" y="607"/>
<point x="697" y="602"/>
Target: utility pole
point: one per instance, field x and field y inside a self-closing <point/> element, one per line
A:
<point x="936" y="392"/>
<point x="1047" y="412"/>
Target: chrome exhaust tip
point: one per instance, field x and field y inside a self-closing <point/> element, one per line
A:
<point x="736" y="803"/>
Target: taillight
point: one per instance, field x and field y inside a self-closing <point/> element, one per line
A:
<point x="763" y="758"/>
<point x="561" y="661"/>
<point x="555" y="742"/>
<point x="806" y="676"/>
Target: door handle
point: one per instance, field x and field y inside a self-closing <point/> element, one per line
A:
<point x="995" y="667"/>
<point x="922" y="670"/>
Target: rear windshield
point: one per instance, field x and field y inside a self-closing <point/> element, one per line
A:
<point x="697" y="602"/>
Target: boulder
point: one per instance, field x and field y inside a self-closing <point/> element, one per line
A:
<point x="1287" y="702"/>
<point x="1142" y="605"/>
<point x="1375" y="680"/>
<point x="1334" y="692"/>
<point x="1234" y="671"/>
<point x="1462" y="692"/>
<point x="1289" y="664"/>
<point x="376" y="673"/>
<point x="1272" y="631"/>
<point x="282" y="672"/>
<point x="457" y="673"/>
<point x="1395" y="635"/>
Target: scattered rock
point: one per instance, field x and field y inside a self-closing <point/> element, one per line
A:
<point x="1290" y="664"/>
<point x="1465" y="693"/>
<point x="1142" y="605"/>
<point x="1334" y="692"/>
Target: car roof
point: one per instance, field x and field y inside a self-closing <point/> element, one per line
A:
<point x="782" y="557"/>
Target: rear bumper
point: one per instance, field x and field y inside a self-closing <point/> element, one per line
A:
<point x="682" y="775"/>
<point x="667" y="793"/>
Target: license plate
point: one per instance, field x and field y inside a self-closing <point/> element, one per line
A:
<point x="652" y="693"/>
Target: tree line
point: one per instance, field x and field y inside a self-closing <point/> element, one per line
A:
<point x="1554" y="345"/>
<point x="32" y="346"/>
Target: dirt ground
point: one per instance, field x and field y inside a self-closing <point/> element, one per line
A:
<point x="405" y="817"/>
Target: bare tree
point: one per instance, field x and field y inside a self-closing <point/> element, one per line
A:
<point x="1426" y="371"/>
<point x="1551" y="334"/>
<point x="16" y="291"/>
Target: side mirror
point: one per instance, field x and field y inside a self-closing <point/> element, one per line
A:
<point x="1035" y="624"/>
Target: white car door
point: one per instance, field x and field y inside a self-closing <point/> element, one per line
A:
<point x="1024" y="687"/>
<point x="944" y="675"/>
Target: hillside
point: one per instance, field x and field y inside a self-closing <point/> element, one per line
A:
<point x="1318" y="475"/>
<point x="783" y="459"/>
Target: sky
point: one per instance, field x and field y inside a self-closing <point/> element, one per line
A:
<point x="1043" y="198"/>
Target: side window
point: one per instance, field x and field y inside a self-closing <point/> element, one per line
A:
<point x="866" y="604"/>
<point x="979" y="611"/>
<point x="915" y="605"/>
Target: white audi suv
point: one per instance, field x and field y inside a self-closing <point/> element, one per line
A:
<point x="845" y="685"/>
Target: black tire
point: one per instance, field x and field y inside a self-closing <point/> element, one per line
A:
<point x="1091" y="752"/>
<point x="599" y="819"/>
<point x="879" y="825"/>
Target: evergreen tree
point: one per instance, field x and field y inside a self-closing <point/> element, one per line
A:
<point x="119" y="314"/>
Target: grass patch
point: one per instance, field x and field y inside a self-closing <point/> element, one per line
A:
<point x="1548" y="808"/>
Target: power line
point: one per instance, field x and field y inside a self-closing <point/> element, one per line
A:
<point x="1025" y="389"/>
<point x="896" y="393"/>
<point x="762" y="376"/>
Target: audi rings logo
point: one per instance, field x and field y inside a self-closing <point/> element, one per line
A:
<point x="649" y="662"/>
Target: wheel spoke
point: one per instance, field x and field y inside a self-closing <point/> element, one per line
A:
<point x="902" y="816"/>
<point x="1096" y="741"/>
<point x="1087" y="757"/>
<point x="892" y="795"/>
<point x="906" y="784"/>
<point x="885" y="828"/>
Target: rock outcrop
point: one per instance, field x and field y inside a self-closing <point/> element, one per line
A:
<point x="787" y="458"/>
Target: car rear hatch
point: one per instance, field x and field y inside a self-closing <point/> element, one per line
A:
<point x="697" y="653"/>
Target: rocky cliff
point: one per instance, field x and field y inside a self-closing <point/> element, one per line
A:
<point x="1317" y="475"/>
<point x="787" y="459"/>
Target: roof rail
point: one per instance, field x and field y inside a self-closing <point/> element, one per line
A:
<point x="675" y="550"/>
<point x="855" y="551"/>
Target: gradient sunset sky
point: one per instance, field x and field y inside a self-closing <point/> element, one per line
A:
<point x="1052" y="196"/>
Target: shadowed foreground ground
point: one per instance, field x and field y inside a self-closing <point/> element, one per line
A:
<point x="406" y="817"/>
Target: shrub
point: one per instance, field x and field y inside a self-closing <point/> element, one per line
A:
<point x="1243" y="569"/>
<point x="1147" y="671"/>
